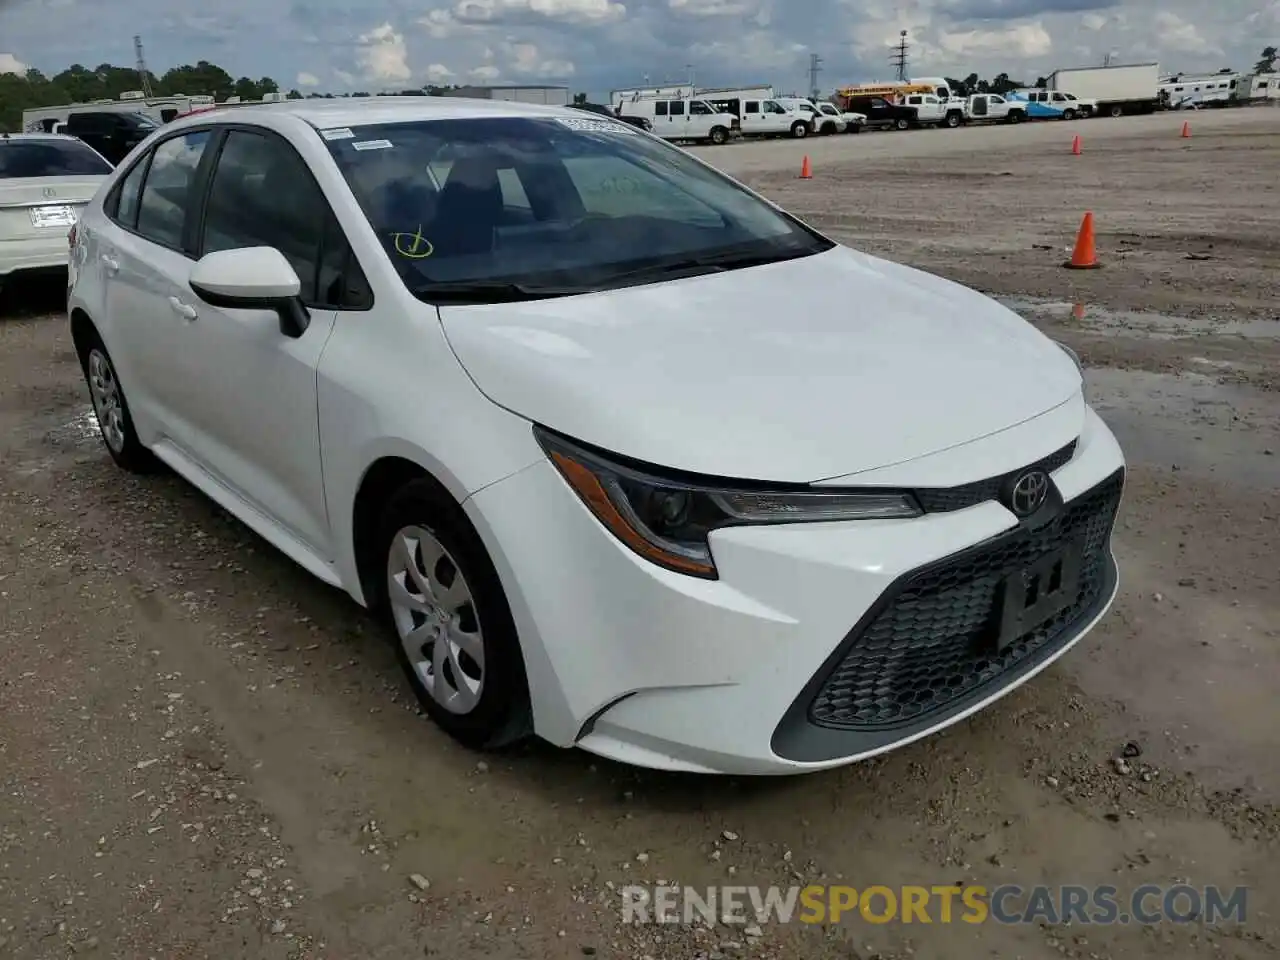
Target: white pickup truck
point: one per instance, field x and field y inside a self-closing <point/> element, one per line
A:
<point x="932" y="110"/>
<point x="992" y="107"/>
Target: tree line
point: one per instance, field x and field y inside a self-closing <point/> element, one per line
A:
<point x="81" y="84"/>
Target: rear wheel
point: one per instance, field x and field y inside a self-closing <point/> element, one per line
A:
<point x="1016" y="116"/>
<point x="900" y="124"/>
<point x="1116" y="110"/>
<point x="953" y="120"/>
<point x="799" y="130"/>
<point x="455" y="636"/>
<point x="112" y="410"/>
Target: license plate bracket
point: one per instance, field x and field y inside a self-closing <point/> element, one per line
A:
<point x="1037" y="593"/>
<point x="59" y="215"/>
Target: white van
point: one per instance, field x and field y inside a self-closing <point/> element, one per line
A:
<point x="682" y="118"/>
<point x="761" y="116"/>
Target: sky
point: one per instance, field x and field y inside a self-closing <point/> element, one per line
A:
<point x="599" y="45"/>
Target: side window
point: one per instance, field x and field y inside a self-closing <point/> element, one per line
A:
<point x="162" y="207"/>
<point x="699" y="109"/>
<point x="263" y="195"/>
<point x="677" y="108"/>
<point x="513" y="194"/>
<point x="660" y="108"/>
<point x="751" y="106"/>
<point x="123" y="206"/>
<point x="167" y="114"/>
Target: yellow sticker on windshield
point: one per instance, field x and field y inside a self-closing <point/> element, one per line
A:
<point x="413" y="245"/>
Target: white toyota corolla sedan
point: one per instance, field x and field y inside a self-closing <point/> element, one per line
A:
<point x="588" y="425"/>
<point x="45" y="181"/>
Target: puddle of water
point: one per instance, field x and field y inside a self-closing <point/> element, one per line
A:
<point x="1192" y="422"/>
<point x="1155" y="326"/>
<point x="82" y="429"/>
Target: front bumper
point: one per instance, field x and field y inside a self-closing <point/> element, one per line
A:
<point x="759" y="672"/>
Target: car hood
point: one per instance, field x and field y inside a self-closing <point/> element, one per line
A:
<point x="797" y="371"/>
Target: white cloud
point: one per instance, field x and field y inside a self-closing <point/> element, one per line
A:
<point x="1021" y="42"/>
<point x="1174" y="33"/>
<point x="439" y="73"/>
<point x="383" y="54"/>
<point x="485" y="74"/>
<point x="11" y="64"/>
<point x="527" y="60"/>
<point x="712" y="8"/>
<point x="570" y="11"/>
<point x="308" y="79"/>
<point x="1093" y="21"/>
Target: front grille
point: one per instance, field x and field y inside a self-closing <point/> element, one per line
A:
<point x="934" y="639"/>
<point x="947" y="499"/>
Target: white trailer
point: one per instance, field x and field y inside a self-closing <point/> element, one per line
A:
<point x="1258" y="88"/>
<point x="1119" y="90"/>
<point x="160" y="109"/>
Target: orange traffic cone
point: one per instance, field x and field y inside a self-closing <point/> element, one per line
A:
<point x="1084" y="257"/>
<point x="1186" y="129"/>
<point x="1075" y="145"/>
<point x="806" y="169"/>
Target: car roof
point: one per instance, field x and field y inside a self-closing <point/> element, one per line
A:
<point x="29" y="137"/>
<point x="361" y="111"/>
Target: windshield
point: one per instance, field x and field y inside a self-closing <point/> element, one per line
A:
<point x="552" y="206"/>
<point x="49" y="158"/>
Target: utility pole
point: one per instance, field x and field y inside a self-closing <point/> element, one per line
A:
<point x="144" y="76"/>
<point x="899" y="58"/>
<point x="815" y="68"/>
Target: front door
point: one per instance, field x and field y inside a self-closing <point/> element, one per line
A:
<point x="257" y="409"/>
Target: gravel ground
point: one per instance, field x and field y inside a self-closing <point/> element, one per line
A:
<point x="204" y="753"/>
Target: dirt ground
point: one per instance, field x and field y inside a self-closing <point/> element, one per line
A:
<point x="205" y="753"/>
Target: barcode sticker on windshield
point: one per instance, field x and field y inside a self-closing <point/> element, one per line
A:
<point x="372" y="145"/>
<point x="340" y="133"/>
<point x="592" y="125"/>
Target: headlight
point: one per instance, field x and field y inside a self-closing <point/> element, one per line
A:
<point x="667" y="519"/>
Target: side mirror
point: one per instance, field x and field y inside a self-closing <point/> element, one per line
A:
<point x="252" y="278"/>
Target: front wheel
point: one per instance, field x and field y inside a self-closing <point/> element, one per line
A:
<point x="1017" y="116"/>
<point x="953" y="120"/>
<point x="719" y="136"/>
<point x="1116" y="111"/>
<point x="799" y="130"/>
<point x="1068" y="114"/>
<point x="455" y="637"/>
<point x="901" y="124"/>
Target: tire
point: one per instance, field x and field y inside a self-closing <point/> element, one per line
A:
<point x="436" y="577"/>
<point x="854" y="128"/>
<point x="799" y="130"/>
<point x="1017" y="116"/>
<point x="901" y="124"/>
<point x="1116" y="110"/>
<point x="1068" y="114"/>
<point x="828" y="129"/>
<point x="719" y="136"/>
<point x="953" y="120"/>
<point x="110" y="406"/>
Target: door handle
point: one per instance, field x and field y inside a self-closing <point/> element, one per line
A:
<point x="112" y="265"/>
<point x="185" y="310"/>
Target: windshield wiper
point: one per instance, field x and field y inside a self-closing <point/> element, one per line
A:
<point x="712" y="263"/>
<point x="490" y="291"/>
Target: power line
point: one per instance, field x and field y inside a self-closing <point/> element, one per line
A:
<point x="899" y="58"/>
<point x="815" y="68"/>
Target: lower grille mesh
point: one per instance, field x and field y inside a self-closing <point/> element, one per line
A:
<point x="935" y="641"/>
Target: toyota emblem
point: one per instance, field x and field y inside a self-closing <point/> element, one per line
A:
<point x="1029" y="492"/>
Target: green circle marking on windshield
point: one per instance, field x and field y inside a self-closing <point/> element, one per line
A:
<point x="413" y="245"/>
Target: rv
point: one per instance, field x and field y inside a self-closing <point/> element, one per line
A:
<point x="1196" y="90"/>
<point x="159" y="109"/>
<point x="1257" y="87"/>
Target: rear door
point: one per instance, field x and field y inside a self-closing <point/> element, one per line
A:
<point x="146" y="262"/>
